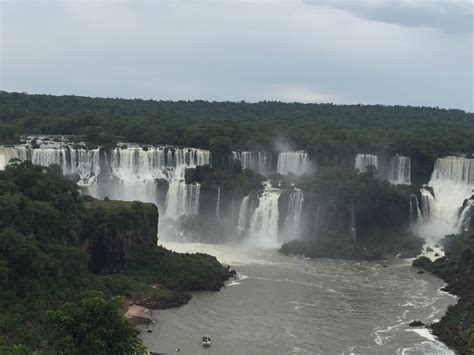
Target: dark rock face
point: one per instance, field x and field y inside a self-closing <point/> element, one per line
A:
<point x="114" y="230"/>
<point x="416" y="323"/>
<point x="333" y="249"/>
<point x="178" y="299"/>
<point x="457" y="269"/>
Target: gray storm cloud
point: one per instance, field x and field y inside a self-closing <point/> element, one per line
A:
<point x="448" y="16"/>
<point x="338" y="51"/>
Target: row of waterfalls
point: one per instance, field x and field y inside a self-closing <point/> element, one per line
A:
<point x="265" y="218"/>
<point x="131" y="173"/>
<point x="157" y="175"/>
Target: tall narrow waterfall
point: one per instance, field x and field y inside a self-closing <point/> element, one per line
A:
<point x="264" y="222"/>
<point x="364" y="160"/>
<point x="400" y="170"/>
<point x="415" y="211"/>
<point x="243" y="216"/>
<point x="294" y="162"/>
<point x="465" y="218"/>
<point x="427" y="204"/>
<point x="452" y="182"/>
<point x="259" y="162"/>
<point x="293" y="215"/>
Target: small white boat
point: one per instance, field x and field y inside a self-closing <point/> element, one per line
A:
<point x="206" y="342"/>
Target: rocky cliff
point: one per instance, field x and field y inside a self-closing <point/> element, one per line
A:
<point x="457" y="269"/>
<point x="113" y="231"/>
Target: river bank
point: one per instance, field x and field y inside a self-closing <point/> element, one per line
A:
<point x="456" y="268"/>
<point x="290" y="304"/>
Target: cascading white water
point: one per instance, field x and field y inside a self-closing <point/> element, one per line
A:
<point x="243" y="213"/>
<point x="427" y="204"/>
<point x="364" y="160"/>
<point x="7" y="154"/>
<point x="293" y="162"/>
<point x="156" y="162"/>
<point x="263" y="231"/>
<point x="400" y="170"/>
<point x="80" y="161"/>
<point x="132" y="171"/>
<point x="137" y="170"/>
<point x="452" y="182"/>
<point x="258" y="162"/>
<point x="182" y="199"/>
<point x="415" y="211"/>
<point x="293" y="215"/>
<point x="466" y="215"/>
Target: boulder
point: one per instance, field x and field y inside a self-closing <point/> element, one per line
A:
<point x="417" y="323"/>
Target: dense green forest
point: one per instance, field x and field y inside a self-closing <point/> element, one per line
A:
<point x="68" y="262"/>
<point x="330" y="133"/>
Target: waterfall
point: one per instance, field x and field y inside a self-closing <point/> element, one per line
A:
<point x="218" y="204"/>
<point x="452" y="181"/>
<point x="293" y="162"/>
<point x="80" y="161"/>
<point x="415" y="212"/>
<point x="263" y="230"/>
<point x="243" y="216"/>
<point x="130" y="172"/>
<point x="400" y="170"/>
<point x="182" y="199"/>
<point x="258" y="162"/>
<point x="7" y="154"/>
<point x="465" y="217"/>
<point x="156" y="162"/>
<point x="293" y="215"/>
<point x="427" y="204"/>
<point x="364" y="160"/>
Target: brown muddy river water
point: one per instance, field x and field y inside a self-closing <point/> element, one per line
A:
<point x="292" y="305"/>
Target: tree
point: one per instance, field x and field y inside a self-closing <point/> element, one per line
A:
<point x="93" y="326"/>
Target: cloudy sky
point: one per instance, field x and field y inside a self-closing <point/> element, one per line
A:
<point x="409" y="52"/>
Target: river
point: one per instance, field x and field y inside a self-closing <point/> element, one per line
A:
<point x="292" y="305"/>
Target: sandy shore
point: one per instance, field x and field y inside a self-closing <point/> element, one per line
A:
<point x="137" y="315"/>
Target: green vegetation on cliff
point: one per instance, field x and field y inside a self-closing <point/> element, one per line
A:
<point x="63" y="259"/>
<point x="380" y="213"/>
